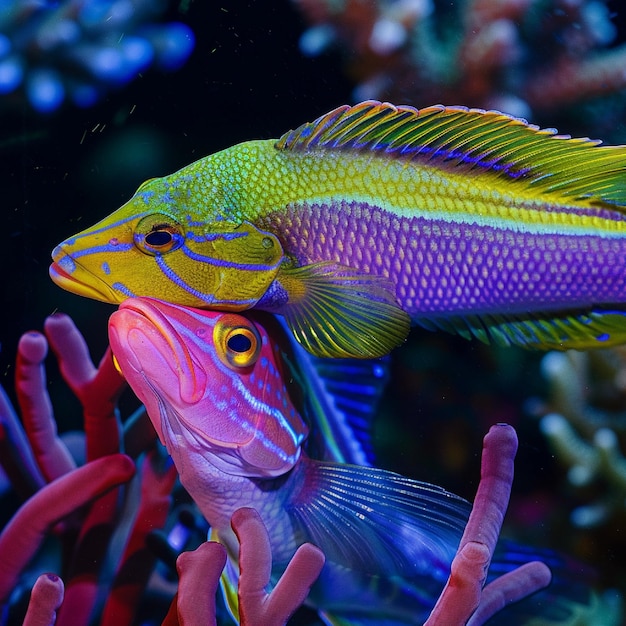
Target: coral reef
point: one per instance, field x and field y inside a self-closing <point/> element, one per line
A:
<point x="584" y="421"/>
<point x="77" y="50"/>
<point x="526" y="58"/>
<point x="55" y="489"/>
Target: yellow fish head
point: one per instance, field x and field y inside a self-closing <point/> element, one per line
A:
<point x="139" y="252"/>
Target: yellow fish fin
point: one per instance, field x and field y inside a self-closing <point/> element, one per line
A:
<point x="335" y="311"/>
<point x="548" y="331"/>
<point x="474" y="141"/>
<point x="229" y="582"/>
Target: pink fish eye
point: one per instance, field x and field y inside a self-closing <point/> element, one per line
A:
<point x="114" y="241"/>
<point x="237" y="341"/>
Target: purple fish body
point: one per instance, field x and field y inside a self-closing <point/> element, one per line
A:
<point x="463" y="267"/>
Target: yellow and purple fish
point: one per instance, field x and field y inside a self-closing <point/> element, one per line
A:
<point x="374" y="217"/>
<point x="214" y="387"/>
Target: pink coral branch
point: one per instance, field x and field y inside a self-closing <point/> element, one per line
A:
<point x="23" y="535"/>
<point x="462" y="595"/>
<point x="16" y="455"/>
<point x="509" y="588"/>
<point x="199" y="573"/>
<point x="82" y="589"/>
<point x="494" y="489"/>
<point x="52" y="455"/>
<point x="45" y="598"/>
<point x="256" y="606"/>
<point x="137" y="561"/>
<point x="97" y="389"/>
<point x="462" y="592"/>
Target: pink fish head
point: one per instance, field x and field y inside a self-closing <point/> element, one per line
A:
<point x="217" y="377"/>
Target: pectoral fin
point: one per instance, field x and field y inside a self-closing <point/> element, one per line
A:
<point x="376" y="522"/>
<point x="335" y="311"/>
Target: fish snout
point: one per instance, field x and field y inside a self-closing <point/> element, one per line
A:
<point x="69" y="274"/>
<point x="163" y="353"/>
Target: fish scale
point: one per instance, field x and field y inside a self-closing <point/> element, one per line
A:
<point x="375" y="217"/>
<point x="460" y="267"/>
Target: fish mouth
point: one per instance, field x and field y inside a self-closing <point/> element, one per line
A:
<point x="73" y="277"/>
<point x="159" y="331"/>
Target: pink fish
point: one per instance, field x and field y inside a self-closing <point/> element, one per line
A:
<point x="214" y="387"/>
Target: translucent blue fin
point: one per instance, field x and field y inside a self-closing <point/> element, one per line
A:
<point x="345" y="396"/>
<point x="374" y="521"/>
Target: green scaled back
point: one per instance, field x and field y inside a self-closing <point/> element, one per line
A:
<point x="472" y="139"/>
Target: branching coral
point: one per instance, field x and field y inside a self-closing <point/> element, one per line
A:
<point x="584" y="423"/>
<point x="464" y="601"/>
<point x="521" y="56"/>
<point x="55" y="506"/>
<point x="199" y="572"/>
<point x="76" y="50"/>
<point x="23" y="536"/>
<point x="55" y="489"/>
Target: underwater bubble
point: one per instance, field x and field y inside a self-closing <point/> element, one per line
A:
<point x="11" y="74"/>
<point x="5" y="45"/>
<point x="173" y="44"/>
<point x="45" y="91"/>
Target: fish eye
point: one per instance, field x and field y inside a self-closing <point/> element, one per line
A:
<point x="237" y="341"/>
<point x="158" y="234"/>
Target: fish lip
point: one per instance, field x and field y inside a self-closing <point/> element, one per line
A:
<point x="171" y="340"/>
<point x="67" y="281"/>
<point x="150" y="318"/>
<point x="143" y="306"/>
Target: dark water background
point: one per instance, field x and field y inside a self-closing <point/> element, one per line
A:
<point x="246" y="79"/>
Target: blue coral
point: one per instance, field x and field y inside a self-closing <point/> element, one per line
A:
<point x="77" y="50"/>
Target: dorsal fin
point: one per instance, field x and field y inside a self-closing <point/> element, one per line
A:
<point x="472" y="139"/>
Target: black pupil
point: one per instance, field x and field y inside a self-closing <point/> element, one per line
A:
<point x="158" y="238"/>
<point x="239" y="343"/>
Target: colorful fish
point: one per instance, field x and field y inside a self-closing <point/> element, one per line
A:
<point x="213" y="385"/>
<point x="375" y="216"/>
